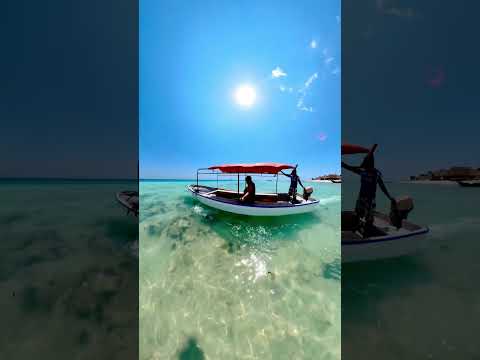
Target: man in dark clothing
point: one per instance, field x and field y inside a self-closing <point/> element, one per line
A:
<point x="294" y="181"/>
<point x="249" y="192"/>
<point x="369" y="178"/>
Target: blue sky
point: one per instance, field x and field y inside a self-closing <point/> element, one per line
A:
<point x="410" y="84"/>
<point x="69" y="93"/>
<point x="193" y="57"/>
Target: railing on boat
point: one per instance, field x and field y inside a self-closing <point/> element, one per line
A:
<point x="207" y="171"/>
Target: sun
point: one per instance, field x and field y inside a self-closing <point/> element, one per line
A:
<point x="245" y="95"/>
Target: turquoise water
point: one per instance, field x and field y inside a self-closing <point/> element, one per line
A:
<point x="424" y="306"/>
<point x="68" y="277"/>
<point x="215" y="285"/>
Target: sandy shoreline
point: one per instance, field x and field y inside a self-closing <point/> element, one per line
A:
<point x="436" y="182"/>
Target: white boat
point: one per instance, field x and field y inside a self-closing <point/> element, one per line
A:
<point x="386" y="241"/>
<point x="265" y="204"/>
<point x="129" y="200"/>
<point x="469" y="183"/>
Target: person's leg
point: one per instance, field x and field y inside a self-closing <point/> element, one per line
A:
<point x="362" y="214"/>
<point x="293" y="195"/>
<point x="359" y="209"/>
<point x="369" y="218"/>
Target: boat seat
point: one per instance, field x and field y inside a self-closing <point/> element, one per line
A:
<point x="265" y="198"/>
<point x="228" y="194"/>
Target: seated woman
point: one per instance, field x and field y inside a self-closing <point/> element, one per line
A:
<point x="249" y="192"/>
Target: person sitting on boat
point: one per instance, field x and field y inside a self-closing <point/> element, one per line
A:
<point x="294" y="181"/>
<point x="369" y="178"/>
<point x="249" y="192"/>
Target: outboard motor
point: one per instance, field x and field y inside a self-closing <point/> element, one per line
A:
<point x="399" y="212"/>
<point x="307" y="192"/>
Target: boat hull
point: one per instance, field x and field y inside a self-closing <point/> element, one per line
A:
<point x="389" y="247"/>
<point x="254" y="210"/>
<point x="392" y="243"/>
<point x="475" y="183"/>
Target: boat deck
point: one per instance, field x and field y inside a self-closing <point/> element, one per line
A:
<point x="383" y="228"/>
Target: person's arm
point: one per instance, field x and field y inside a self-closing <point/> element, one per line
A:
<point x="384" y="189"/>
<point x="244" y="193"/>
<point x="300" y="182"/>
<point x="354" y="169"/>
<point x="284" y="173"/>
<point x="247" y="192"/>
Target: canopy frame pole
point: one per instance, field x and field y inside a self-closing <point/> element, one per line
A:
<point x="197" y="180"/>
<point x="238" y="184"/>
<point x="276" y="184"/>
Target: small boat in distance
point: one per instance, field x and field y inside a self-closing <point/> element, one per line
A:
<point x="469" y="183"/>
<point x="339" y="181"/>
<point x="129" y="200"/>
<point x="265" y="204"/>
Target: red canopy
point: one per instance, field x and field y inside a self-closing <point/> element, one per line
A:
<point x="348" y="149"/>
<point x="258" y="168"/>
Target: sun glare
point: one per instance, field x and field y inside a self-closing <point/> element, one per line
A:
<point x="245" y="95"/>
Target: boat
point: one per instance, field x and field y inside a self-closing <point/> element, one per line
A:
<point x="129" y="200"/>
<point x="339" y="181"/>
<point x="265" y="204"/>
<point x="469" y="183"/>
<point x="384" y="240"/>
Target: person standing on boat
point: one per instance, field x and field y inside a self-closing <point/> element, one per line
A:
<point x="369" y="178"/>
<point x="294" y="181"/>
<point x="249" y="192"/>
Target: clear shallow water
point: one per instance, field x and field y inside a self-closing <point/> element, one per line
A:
<point x="424" y="306"/>
<point x="215" y="285"/>
<point x="68" y="279"/>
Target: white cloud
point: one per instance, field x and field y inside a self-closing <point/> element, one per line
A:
<point x="301" y="106"/>
<point x="278" y="72"/>
<point x="303" y="92"/>
<point x="330" y="62"/>
<point x="313" y="44"/>
<point x="407" y="13"/>
<point x="310" y="80"/>
<point x="385" y="7"/>
<point x="307" y="109"/>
